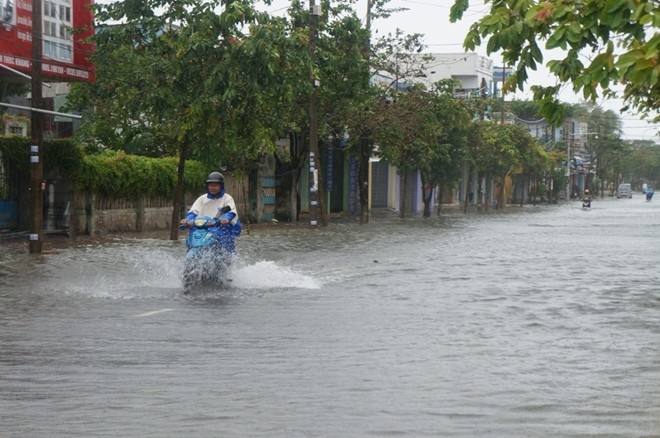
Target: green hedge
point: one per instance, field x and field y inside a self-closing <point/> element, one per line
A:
<point x="114" y="174"/>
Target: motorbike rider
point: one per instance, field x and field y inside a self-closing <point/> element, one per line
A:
<point x="211" y="204"/>
<point x="586" y="198"/>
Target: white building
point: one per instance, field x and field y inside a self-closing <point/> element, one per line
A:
<point x="475" y="72"/>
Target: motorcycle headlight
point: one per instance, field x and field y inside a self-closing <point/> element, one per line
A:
<point x="199" y="222"/>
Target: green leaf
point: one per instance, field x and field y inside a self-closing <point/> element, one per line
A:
<point x="557" y="39"/>
<point x="613" y="6"/>
<point x="458" y="9"/>
<point x="537" y="54"/>
<point x="493" y="44"/>
<point x="628" y="59"/>
<point x="574" y="33"/>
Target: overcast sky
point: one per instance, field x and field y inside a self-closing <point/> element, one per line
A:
<point x="431" y="18"/>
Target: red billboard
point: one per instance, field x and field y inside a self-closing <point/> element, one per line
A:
<point x="65" y="54"/>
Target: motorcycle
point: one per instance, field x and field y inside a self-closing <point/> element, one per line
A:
<point x="586" y="203"/>
<point x="207" y="258"/>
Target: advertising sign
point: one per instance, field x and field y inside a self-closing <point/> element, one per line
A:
<point x="65" y="55"/>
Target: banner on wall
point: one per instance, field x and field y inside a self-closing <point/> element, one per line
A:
<point x="65" y="52"/>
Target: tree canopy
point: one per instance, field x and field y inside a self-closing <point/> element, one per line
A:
<point x="604" y="43"/>
<point x="425" y="130"/>
<point x="194" y="79"/>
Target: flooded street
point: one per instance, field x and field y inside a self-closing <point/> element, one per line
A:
<point x="536" y="322"/>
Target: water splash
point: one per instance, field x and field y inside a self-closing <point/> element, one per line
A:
<point x="116" y="272"/>
<point x="153" y="270"/>
<point x="268" y="275"/>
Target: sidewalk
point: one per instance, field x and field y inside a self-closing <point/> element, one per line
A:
<point x="18" y="242"/>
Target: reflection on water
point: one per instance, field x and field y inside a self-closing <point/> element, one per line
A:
<point x="541" y="322"/>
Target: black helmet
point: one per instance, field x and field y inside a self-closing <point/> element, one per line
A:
<point x="215" y="177"/>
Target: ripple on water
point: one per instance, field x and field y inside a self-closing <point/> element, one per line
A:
<point x="518" y="324"/>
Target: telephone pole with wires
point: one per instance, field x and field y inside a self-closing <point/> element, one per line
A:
<point x="37" y="185"/>
<point x="315" y="200"/>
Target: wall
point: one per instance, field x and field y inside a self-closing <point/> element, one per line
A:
<point x="95" y="213"/>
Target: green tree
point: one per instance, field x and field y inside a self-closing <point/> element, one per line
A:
<point x="503" y="150"/>
<point x="446" y="147"/>
<point x="535" y="162"/>
<point x="603" y="42"/>
<point x="197" y="83"/>
<point x="611" y="154"/>
<point x="407" y="125"/>
<point x="497" y="155"/>
<point x="347" y="61"/>
<point x="524" y="109"/>
<point x="643" y="164"/>
<point x="425" y="131"/>
<point x="394" y="57"/>
<point x="343" y="72"/>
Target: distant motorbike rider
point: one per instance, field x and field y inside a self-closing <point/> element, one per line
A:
<point x="211" y="204"/>
<point x="586" y="198"/>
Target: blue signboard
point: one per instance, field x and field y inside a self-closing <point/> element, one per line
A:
<point x="353" y="186"/>
<point x="8" y="214"/>
<point x="329" y="173"/>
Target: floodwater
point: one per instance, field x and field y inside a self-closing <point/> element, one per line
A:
<point x="537" y="322"/>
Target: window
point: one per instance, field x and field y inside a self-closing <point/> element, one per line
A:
<point x="16" y="130"/>
<point x="64" y="33"/>
<point x="49" y="9"/>
<point x="50" y="49"/>
<point x="58" y="41"/>
<point x="65" y="14"/>
<point x="50" y="28"/>
<point x="65" y="52"/>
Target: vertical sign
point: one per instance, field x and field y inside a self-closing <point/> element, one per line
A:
<point x="353" y="186"/>
<point x="329" y="166"/>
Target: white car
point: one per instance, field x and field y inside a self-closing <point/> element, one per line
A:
<point x="624" y="191"/>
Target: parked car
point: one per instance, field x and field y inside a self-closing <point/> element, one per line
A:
<point x="624" y="191"/>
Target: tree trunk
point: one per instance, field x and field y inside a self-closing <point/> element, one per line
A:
<point x="322" y="213"/>
<point x="441" y="195"/>
<point x="363" y="180"/>
<point x="502" y="201"/>
<point x="467" y="190"/>
<point x="486" y="191"/>
<point x="427" y="196"/>
<point x="402" y="201"/>
<point x="178" y="192"/>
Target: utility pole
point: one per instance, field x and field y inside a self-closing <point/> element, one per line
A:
<point x="365" y="142"/>
<point x="568" y="163"/>
<point x="314" y="159"/>
<point x="37" y="185"/>
<point x="502" y="92"/>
